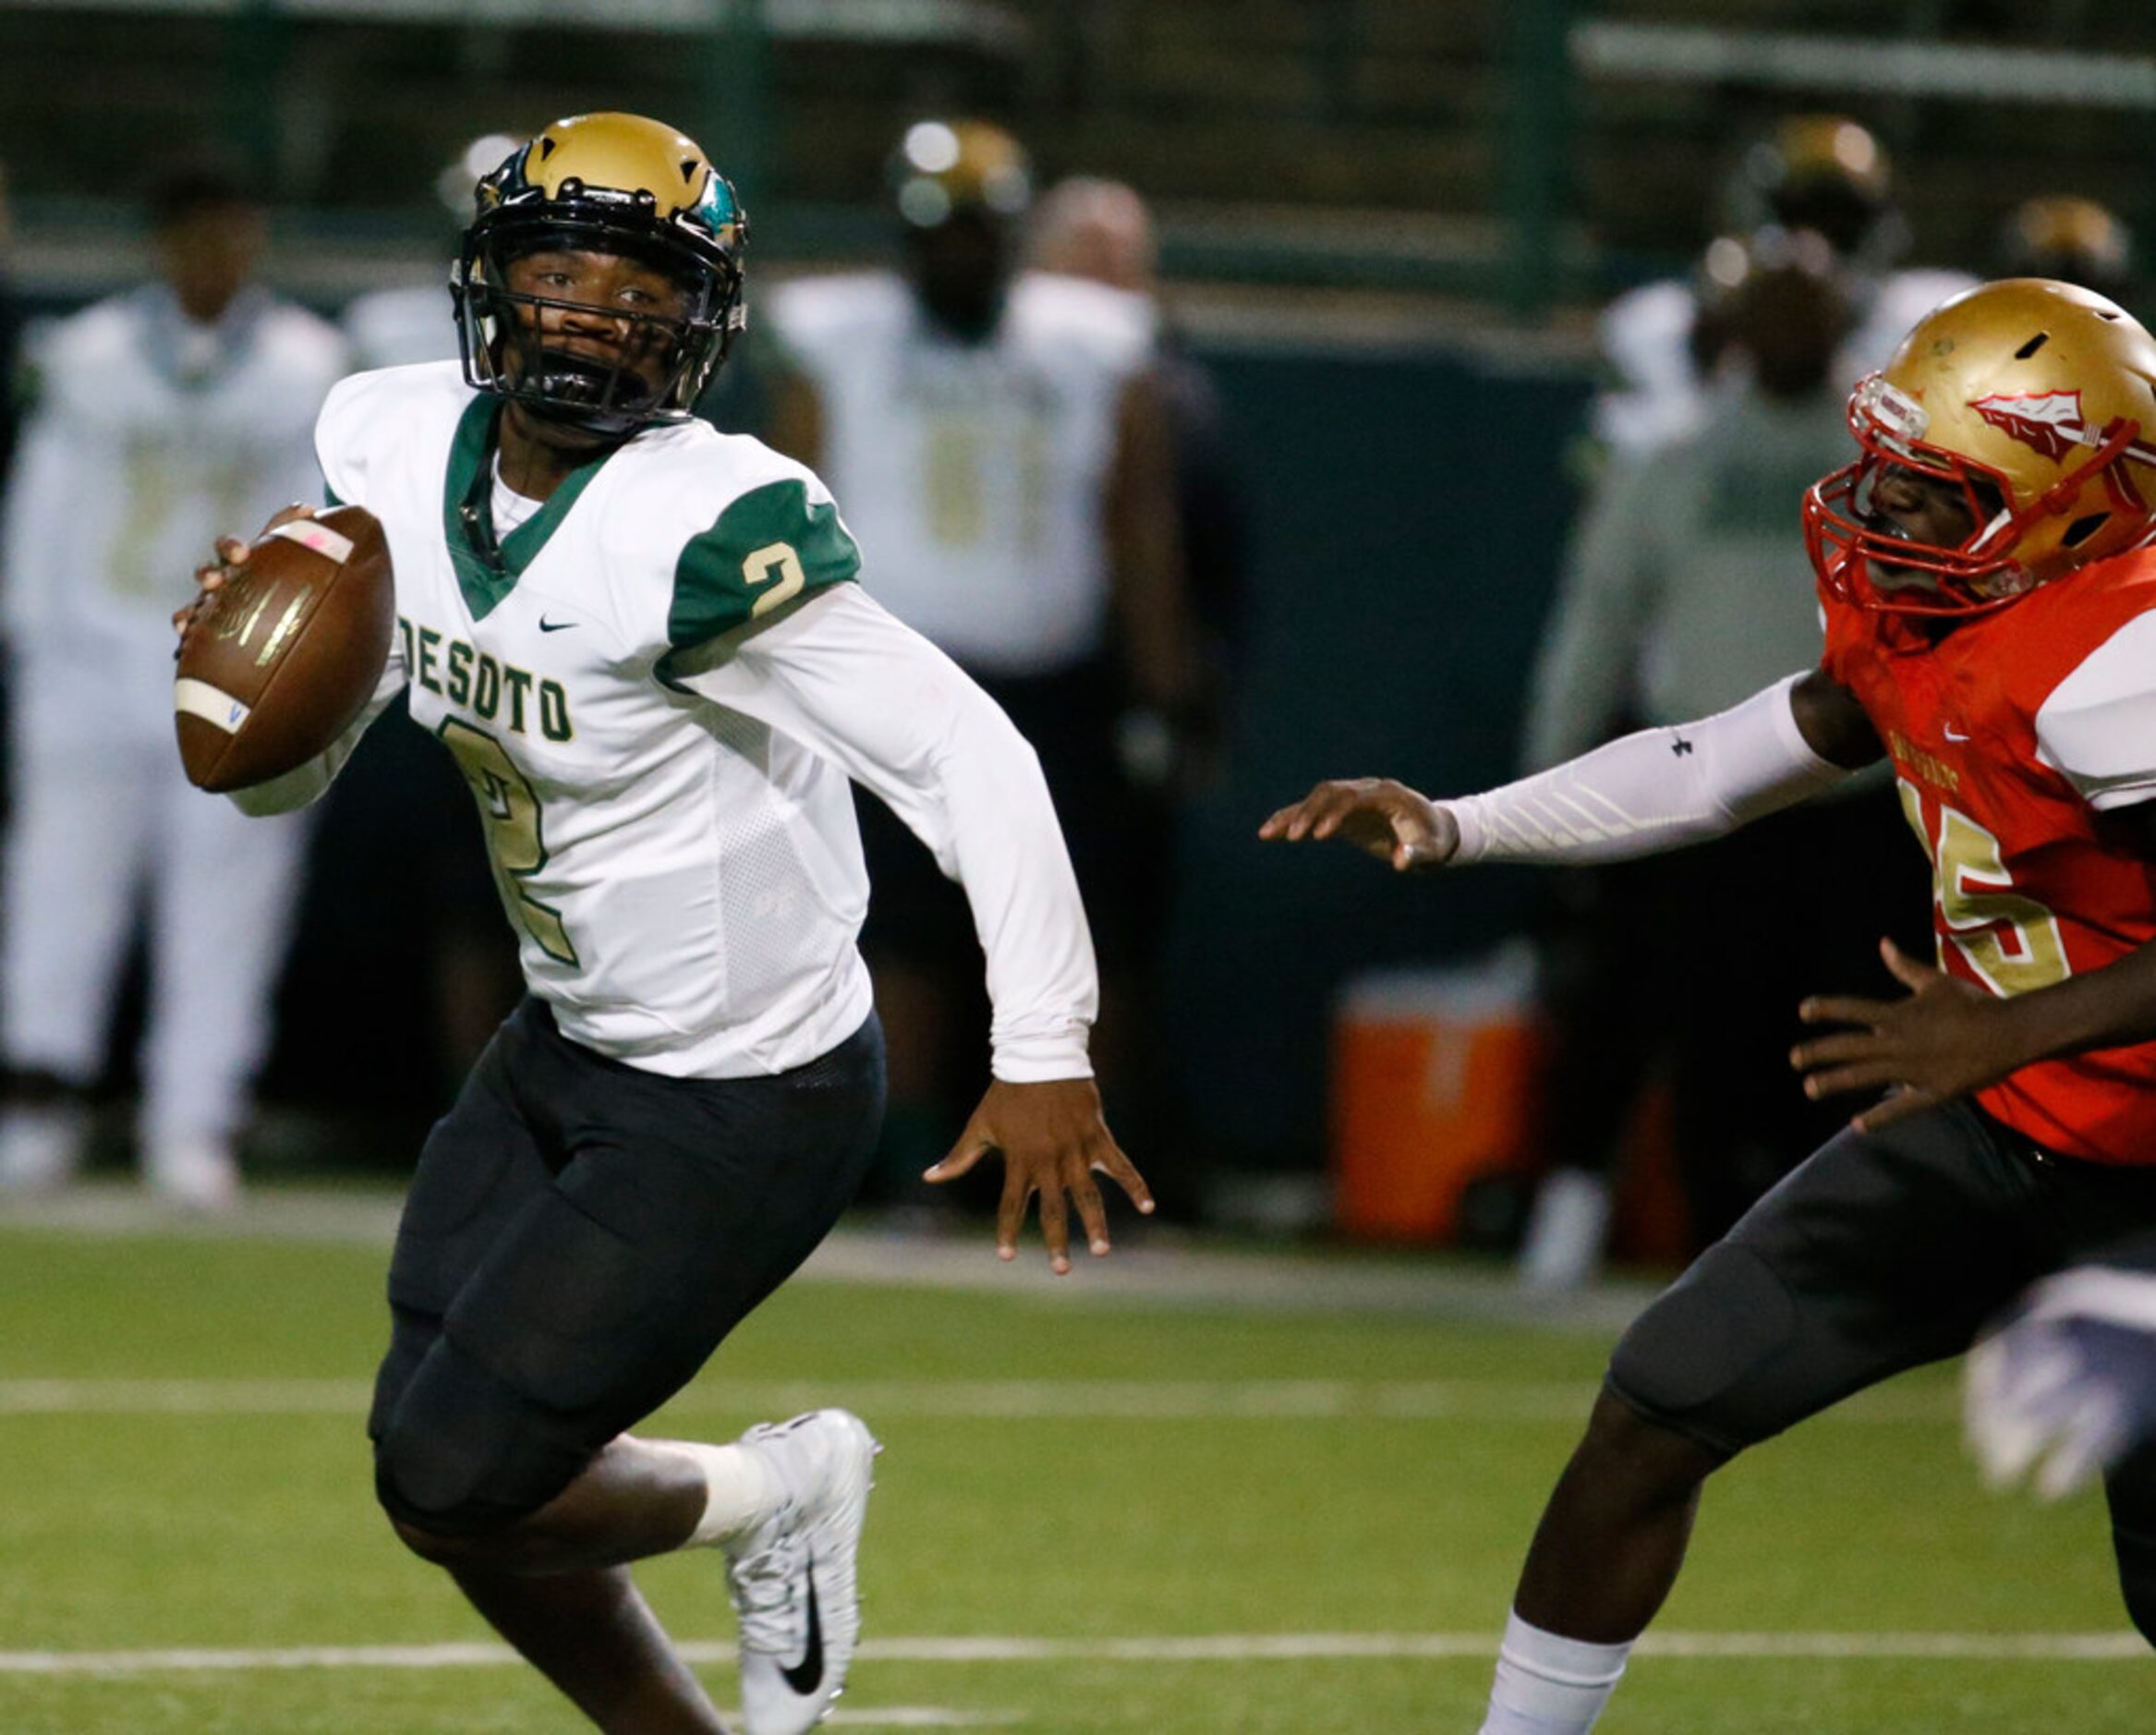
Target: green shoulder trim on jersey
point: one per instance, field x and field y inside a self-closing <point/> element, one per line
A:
<point x="330" y="497"/>
<point x="769" y="546"/>
<point x="487" y="570"/>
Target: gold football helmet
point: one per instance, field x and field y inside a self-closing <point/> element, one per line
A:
<point x="616" y="184"/>
<point x="943" y="168"/>
<point x="2028" y="395"/>
<point x="1822" y="172"/>
<point x="2071" y="238"/>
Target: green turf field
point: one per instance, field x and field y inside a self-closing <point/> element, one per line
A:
<point x="1333" y="1503"/>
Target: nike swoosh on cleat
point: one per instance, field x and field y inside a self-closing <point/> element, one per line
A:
<point x="806" y="1676"/>
<point x="555" y="626"/>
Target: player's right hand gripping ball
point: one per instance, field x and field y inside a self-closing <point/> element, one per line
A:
<point x="285" y="655"/>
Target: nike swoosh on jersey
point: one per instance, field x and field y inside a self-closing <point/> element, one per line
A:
<point x="806" y="1676"/>
<point x="555" y="626"/>
<point x="1951" y="735"/>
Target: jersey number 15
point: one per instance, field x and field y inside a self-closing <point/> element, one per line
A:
<point x="2010" y="941"/>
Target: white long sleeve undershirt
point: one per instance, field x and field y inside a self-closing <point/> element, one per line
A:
<point x="846" y="679"/>
<point x="1651" y="792"/>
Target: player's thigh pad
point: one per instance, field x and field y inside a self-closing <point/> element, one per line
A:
<point x="461" y="1452"/>
<point x="479" y="1169"/>
<point x="1881" y="1252"/>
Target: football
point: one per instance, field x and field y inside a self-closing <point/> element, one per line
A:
<point x="287" y="653"/>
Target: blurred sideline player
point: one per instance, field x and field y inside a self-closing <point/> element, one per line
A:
<point x="162" y="415"/>
<point x="1005" y="459"/>
<point x="643" y="642"/>
<point x="2071" y="238"/>
<point x="10" y="335"/>
<point x="12" y="394"/>
<point x="1684" y="589"/>
<point x="1823" y="172"/>
<point x="1991" y="604"/>
<point x="1101" y="230"/>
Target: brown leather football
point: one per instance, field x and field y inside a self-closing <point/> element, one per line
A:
<point x="287" y="653"/>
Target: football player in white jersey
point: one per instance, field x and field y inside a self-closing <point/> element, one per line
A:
<point x="642" y="641"/>
<point x="1824" y="172"/>
<point x="1004" y="451"/>
<point x="163" y="414"/>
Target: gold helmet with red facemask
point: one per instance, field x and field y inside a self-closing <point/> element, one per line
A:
<point x="2030" y="397"/>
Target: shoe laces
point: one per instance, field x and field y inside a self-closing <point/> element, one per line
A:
<point x="766" y="1595"/>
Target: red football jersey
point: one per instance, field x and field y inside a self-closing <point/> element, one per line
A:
<point x="2027" y="887"/>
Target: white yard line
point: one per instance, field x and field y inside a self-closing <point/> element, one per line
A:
<point x="2076" y="1647"/>
<point x="1487" y="1400"/>
<point x="1150" y="1267"/>
<point x="184" y="1396"/>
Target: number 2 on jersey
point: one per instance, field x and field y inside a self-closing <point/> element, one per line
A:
<point x="777" y="564"/>
<point x="509" y="807"/>
<point x="1981" y="908"/>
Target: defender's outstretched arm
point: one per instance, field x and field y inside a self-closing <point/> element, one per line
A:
<point x="1651" y="792"/>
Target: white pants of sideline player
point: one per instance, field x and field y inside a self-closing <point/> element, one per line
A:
<point x="105" y="824"/>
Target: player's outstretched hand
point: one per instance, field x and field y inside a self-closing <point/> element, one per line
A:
<point x="1388" y="820"/>
<point x="1052" y="1138"/>
<point x="1947" y="1038"/>
<point x="229" y="556"/>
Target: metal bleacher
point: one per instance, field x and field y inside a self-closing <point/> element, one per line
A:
<point x="1524" y="153"/>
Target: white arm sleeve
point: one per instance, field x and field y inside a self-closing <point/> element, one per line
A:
<point x="310" y="781"/>
<point x="843" y="677"/>
<point x="1651" y="792"/>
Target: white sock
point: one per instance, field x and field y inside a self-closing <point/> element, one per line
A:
<point x="1548" y="1685"/>
<point x="740" y="1489"/>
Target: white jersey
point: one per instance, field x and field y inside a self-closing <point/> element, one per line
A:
<point x="973" y="473"/>
<point x="661" y="774"/>
<point x="151" y="435"/>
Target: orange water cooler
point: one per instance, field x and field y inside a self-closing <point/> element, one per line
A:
<point x="1435" y="1084"/>
<point x="1438" y="1081"/>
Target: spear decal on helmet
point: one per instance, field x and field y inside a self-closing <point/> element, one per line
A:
<point x="2049" y="422"/>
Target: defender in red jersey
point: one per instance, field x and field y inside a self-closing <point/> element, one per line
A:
<point x="1990" y="611"/>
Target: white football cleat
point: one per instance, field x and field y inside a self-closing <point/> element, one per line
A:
<point x="792" y="1577"/>
<point x="2068" y="1386"/>
<point x="1562" y="1249"/>
<point x="196" y="1174"/>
